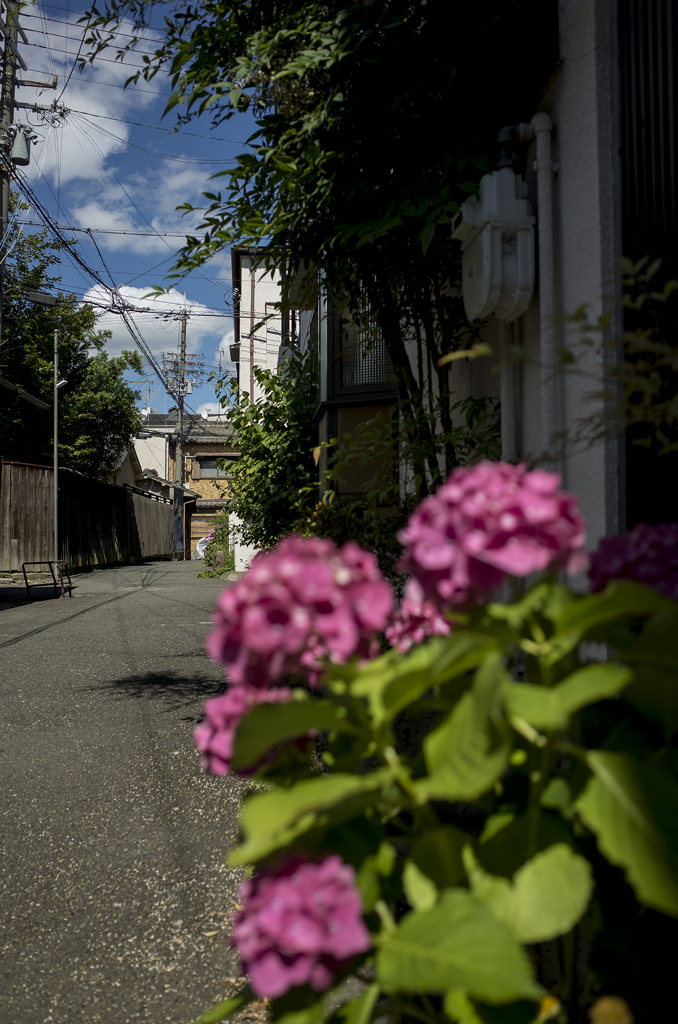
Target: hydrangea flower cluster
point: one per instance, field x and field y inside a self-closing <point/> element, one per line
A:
<point x="415" y="620"/>
<point x="488" y="521"/>
<point x="214" y="737"/>
<point x="646" y="554"/>
<point x="299" y="922"/>
<point x="305" y="601"/>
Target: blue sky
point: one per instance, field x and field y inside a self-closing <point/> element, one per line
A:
<point x="113" y="166"/>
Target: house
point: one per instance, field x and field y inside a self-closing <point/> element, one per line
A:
<point x="207" y="440"/>
<point x="598" y="156"/>
<point x="260" y="329"/>
<point x="590" y="169"/>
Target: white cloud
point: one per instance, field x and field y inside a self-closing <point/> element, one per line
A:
<point x="211" y="408"/>
<point x="73" y="149"/>
<point x="159" y="324"/>
<point x="157" y="194"/>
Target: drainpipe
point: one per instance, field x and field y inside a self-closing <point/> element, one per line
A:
<point x="507" y="378"/>
<point x="540" y="128"/>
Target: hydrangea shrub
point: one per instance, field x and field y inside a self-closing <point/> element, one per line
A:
<point x="491" y="838"/>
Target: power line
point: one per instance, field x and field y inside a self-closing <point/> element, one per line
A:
<point x="160" y="128"/>
<point x="110" y="231"/>
<point x="151" y="152"/>
<point x="117" y="302"/>
<point x="140" y="212"/>
<point x="62" y="21"/>
<point x="61" y="35"/>
<point x="108" y="60"/>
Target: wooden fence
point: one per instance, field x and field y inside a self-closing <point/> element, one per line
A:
<point x="99" y="523"/>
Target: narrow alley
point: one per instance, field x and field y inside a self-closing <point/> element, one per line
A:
<point x="113" y="890"/>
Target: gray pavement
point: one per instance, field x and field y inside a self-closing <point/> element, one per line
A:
<point x="113" y="891"/>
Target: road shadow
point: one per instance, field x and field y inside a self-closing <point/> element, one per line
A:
<point x="175" y="690"/>
<point x="13" y="594"/>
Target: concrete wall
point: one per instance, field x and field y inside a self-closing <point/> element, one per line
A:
<point x="152" y="454"/>
<point x="264" y="343"/>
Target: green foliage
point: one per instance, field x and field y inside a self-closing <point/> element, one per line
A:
<point x="348" y="169"/>
<point x="220" y="541"/>
<point x="276" y="435"/>
<point x="458" y="944"/>
<point x="571" y="781"/>
<point x="98" y="418"/>
<point x="640" y="394"/>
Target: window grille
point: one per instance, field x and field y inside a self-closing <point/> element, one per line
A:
<point x="364" y="357"/>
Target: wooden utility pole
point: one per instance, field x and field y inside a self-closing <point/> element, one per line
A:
<point x="11" y="55"/>
<point x="56" y="446"/>
<point x="179" y="551"/>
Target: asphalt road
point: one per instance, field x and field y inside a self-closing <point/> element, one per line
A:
<point x="113" y="891"/>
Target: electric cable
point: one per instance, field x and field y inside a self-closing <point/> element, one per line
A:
<point x="151" y="152"/>
<point x="141" y="214"/>
<point x="159" y="128"/>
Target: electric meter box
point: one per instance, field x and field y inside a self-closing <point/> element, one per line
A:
<point x="496" y="231"/>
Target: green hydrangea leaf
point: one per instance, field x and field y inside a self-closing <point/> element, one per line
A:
<point x="438" y="854"/>
<point x="393" y="681"/>
<point x="551" y="707"/>
<point x="546" y="897"/>
<point x="469" y="751"/>
<point x="620" y="600"/>
<point x="420" y="891"/>
<point x="459" y="1007"/>
<point x="227" y="1008"/>
<point x="632" y="806"/>
<point x="459" y="944"/>
<point x="268" y="725"/>
<point x="273" y="819"/>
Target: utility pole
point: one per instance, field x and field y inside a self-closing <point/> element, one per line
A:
<point x="56" y="446"/>
<point x="11" y="55"/>
<point x="179" y="447"/>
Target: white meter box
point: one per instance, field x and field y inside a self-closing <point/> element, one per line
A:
<point x="497" y="235"/>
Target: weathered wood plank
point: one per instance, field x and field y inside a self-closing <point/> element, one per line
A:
<point x="100" y="523"/>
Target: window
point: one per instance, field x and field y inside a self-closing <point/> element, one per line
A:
<point x="354" y="363"/>
<point x="210" y="468"/>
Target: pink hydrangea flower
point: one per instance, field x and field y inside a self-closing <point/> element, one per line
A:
<point x="415" y="620"/>
<point x="214" y="737"/>
<point x="646" y="554"/>
<point x="488" y="521"/>
<point x="299" y="923"/>
<point x="299" y="604"/>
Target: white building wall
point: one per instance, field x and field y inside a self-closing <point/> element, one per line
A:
<point x="152" y="454"/>
<point x="259" y="337"/>
<point x="586" y="242"/>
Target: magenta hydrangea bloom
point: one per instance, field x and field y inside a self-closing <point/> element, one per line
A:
<point x="415" y="620"/>
<point x="300" y="921"/>
<point x="646" y="554"/>
<point x="486" y="522"/>
<point x="214" y="737"/>
<point x="301" y="603"/>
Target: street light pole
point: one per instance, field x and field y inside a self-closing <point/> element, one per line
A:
<point x="56" y="446"/>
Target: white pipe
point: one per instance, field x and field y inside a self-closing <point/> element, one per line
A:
<point x="540" y="128"/>
<point x="509" y="446"/>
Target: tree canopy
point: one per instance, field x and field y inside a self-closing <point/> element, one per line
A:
<point x="98" y="417"/>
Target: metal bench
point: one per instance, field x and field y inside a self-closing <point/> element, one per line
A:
<point x="61" y="568"/>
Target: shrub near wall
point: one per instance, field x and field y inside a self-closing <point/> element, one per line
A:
<point x="493" y="836"/>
